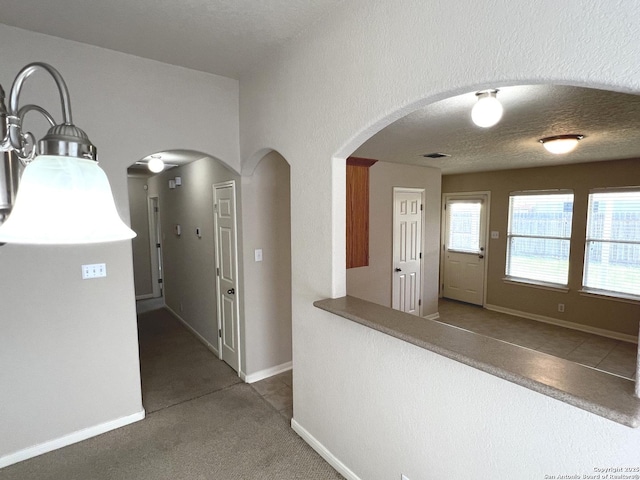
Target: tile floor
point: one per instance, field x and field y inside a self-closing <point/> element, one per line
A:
<point x="278" y="392"/>
<point x="611" y="356"/>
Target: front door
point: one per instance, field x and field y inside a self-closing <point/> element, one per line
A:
<point x="464" y="248"/>
<point x="224" y="196"/>
<point x="407" y="250"/>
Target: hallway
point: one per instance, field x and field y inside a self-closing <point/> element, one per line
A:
<point x="202" y="423"/>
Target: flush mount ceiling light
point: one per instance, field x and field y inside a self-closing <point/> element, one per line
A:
<point x="155" y="164"/>
<point x="488" y="110"/>
<point x="560" y="144"/>
<point x="63" y="196"/>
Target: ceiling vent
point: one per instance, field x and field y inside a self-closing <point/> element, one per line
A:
<point x="436" y="155"/>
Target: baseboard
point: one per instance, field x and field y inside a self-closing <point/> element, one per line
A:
<point x="433" y="316"/>
<point x="323" y="452"/>
<point x="146" y="296"/>
<point x="266" y="373"/>
<point x="70" y="439"/>
<point x="563" y="323"/>
<point x="194" y="331"/>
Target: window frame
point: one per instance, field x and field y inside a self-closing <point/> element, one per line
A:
<point x="602" y="292"/>
<point x="532" y="282"/>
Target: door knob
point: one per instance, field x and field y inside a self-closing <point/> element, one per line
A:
<point x="398" y="269"/>
<point x="231" y="291"/>
<point x="480" y="256"/>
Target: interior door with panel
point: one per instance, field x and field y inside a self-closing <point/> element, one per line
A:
<point x="407" y="249"/>
<point x="226" y="272"/>
<point x="155" y="238"/>
<point x="463" y="249"/>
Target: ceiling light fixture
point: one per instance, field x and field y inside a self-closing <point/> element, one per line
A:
<point x="560" y="144"/>
<point x="63" y="196"/>
<point x="488" y="110"/>
<point x="155" y="164"/>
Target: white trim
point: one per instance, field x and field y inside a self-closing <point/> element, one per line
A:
<point x="607" y="295"/>
<point x="323" y="451"/>
<point x="266" y="373"/>
<point x="69" y="439"/>
<point x="193" y="330"/>
<point x="563" y="323"/>
<point x="146" y="296"/>
<point x="525" y="282"/>
<point x="433" y="316"/>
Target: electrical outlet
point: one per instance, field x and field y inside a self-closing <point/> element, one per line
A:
<point x="95" y="270"/>
<point x="561" y="307"/>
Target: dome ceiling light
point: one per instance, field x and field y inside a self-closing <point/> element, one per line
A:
<point x="155" y="164"/>
<point x="488" y="110"/>
<point x="560" y="144"/>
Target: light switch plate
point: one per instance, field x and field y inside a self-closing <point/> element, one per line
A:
<point x="95" y="270"/>
<point x="258" y="254"/>
<point x="495" y="235"/>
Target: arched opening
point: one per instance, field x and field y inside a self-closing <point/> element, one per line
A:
<point x="266" y="239"/>
<point x="438" y="148"/>
<point x="189" y="262"/>
<point x="182" y="344"/>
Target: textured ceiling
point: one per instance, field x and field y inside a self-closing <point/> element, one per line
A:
<point x="229" y="37"/>
<point x="225" y="37"/>
<point x="609" y="121"/>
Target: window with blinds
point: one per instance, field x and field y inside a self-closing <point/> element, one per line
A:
<point x="612" y="253"/>
<point x="538" y="236"/>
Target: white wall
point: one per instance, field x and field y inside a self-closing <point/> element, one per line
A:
<point x="267" y="284"/>
<point x="379" y="405"/>
<point x="373" y="282"/>
<point x="68" y="348"/>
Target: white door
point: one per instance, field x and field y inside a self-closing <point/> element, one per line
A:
<point x="464" y="248"/>
<point x="224" y="195"/>
<point x="407" y="250"/>
<point x="155" y="245"/>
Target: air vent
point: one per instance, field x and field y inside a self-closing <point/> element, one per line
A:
<point x="436" y="155"/>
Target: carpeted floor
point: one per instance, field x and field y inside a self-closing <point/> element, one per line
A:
<point x="174" y="365"/>
<point x="205" y="425"/>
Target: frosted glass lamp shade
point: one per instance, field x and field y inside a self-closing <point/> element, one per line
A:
<point x="64" y="200"/>
<point x="487" y="111"/>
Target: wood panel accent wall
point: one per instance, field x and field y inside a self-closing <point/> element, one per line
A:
<point x="358" y="211"/>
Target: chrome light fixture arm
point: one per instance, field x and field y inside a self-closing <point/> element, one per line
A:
<point x="63" y="139"/>
<point x="28" y="150"/>
<point x="28" y="108"/>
